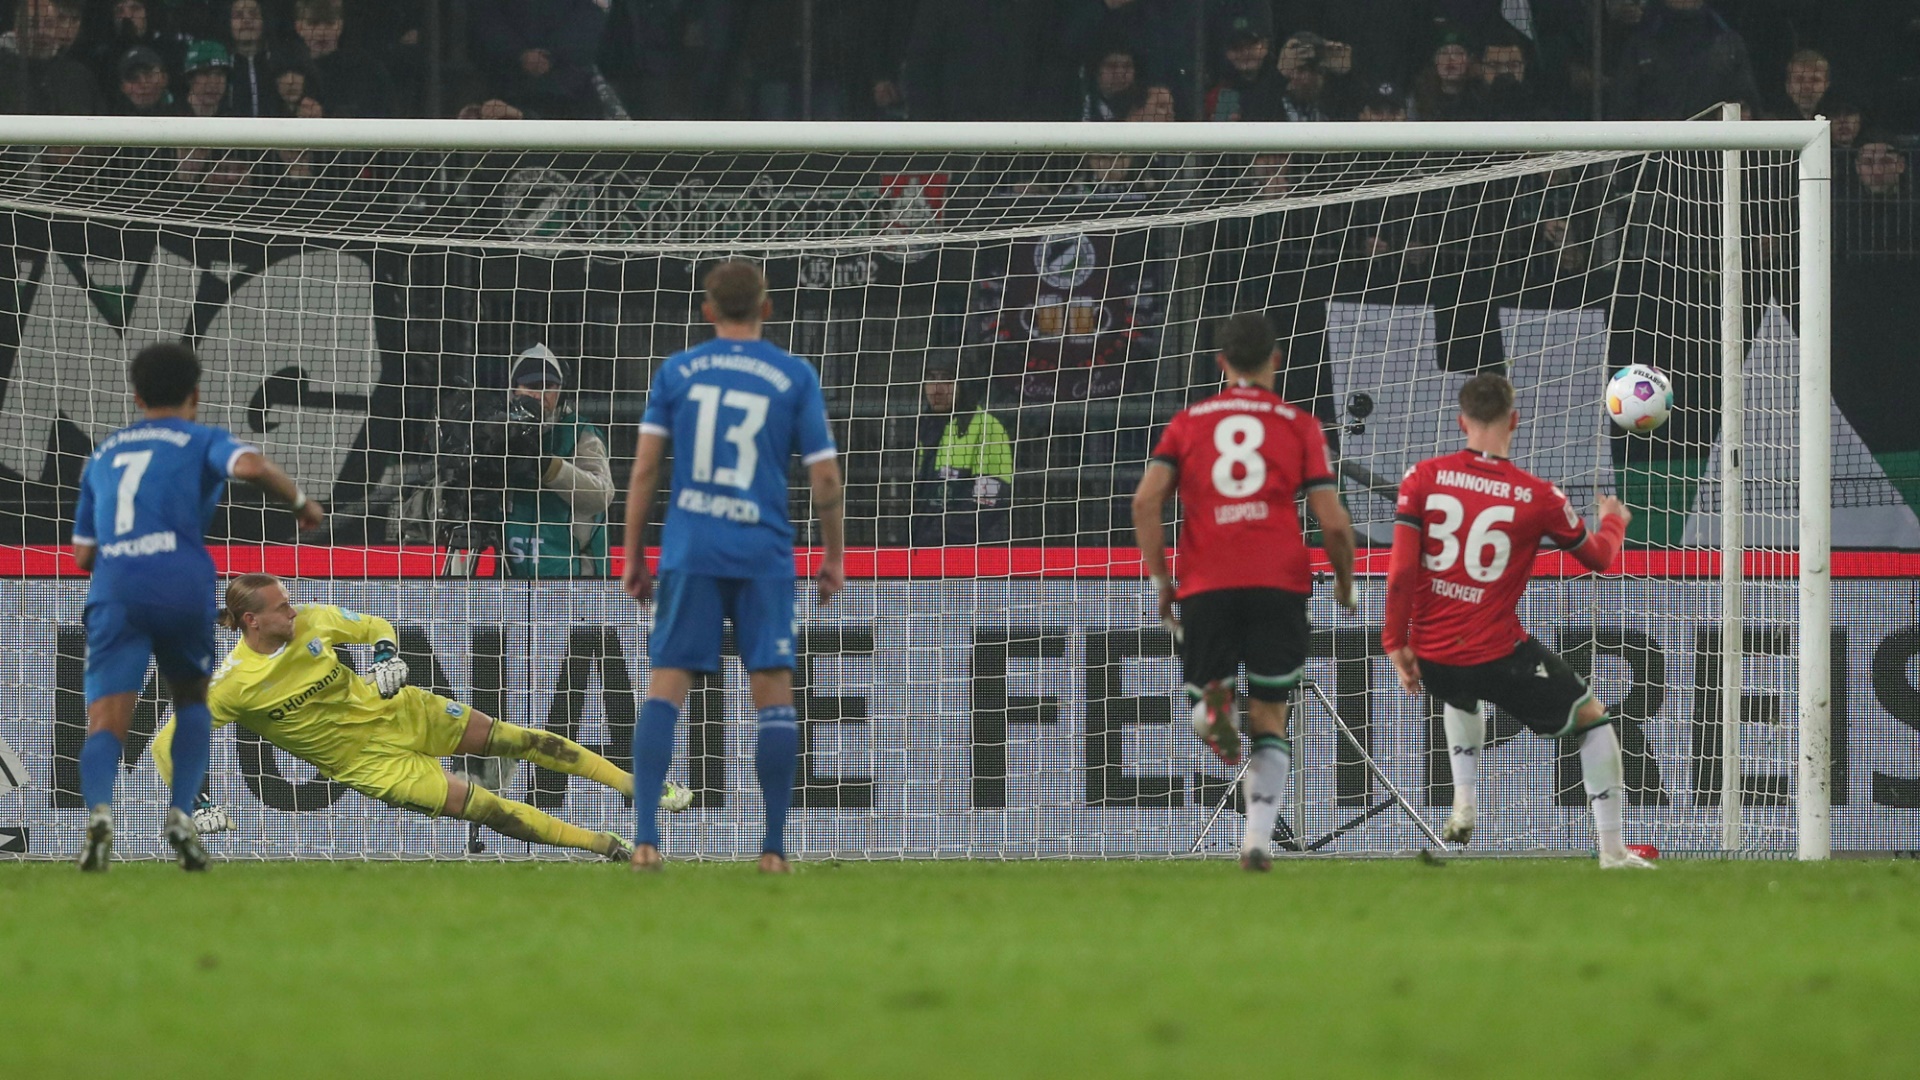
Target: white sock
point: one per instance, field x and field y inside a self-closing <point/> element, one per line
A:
<point x="1466" y="733"/>
<point x="1601" y="771"/>
<point x="1266" y="789"/>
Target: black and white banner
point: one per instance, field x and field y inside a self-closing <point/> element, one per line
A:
<point x="1026" y="718"/>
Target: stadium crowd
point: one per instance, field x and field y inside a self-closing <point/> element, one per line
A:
<point x="1096" y="60"/>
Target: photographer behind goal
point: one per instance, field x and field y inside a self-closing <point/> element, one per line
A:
<point x="525" y="472"/>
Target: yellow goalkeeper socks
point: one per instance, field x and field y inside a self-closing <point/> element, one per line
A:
<point x="523" y="822"/>
<point x="561" y="755"/>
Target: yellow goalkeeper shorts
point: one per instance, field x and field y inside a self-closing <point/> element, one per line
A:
<point x="400" y="764"/>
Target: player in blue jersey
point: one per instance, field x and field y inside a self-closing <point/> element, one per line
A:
<point x="146" y="498"/>
<point x="736" y="410"/>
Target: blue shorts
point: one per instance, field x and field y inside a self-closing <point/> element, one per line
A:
<point x="689" y="609"/>
<point x="120" y="638"/>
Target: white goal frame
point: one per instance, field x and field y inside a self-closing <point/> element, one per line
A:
<point x="1809" y="140"/>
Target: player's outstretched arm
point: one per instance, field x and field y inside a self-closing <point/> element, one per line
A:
<point x="642" y="483"/>
<point x="1598" y="550"/>
<point x="829" y="501"/>
<point x="1336" y="535"/>
<point x="1149" y="531"/>
<point x="255" y="469"/>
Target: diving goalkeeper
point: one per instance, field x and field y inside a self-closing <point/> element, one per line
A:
<point x="377" y="735"/>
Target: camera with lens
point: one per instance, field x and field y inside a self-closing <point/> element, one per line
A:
<point x="489" y="446"/>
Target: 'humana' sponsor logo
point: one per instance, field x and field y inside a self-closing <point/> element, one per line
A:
<point x="150" y="544"/>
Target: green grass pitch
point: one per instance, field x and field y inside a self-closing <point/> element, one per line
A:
<point x="1527" y="967"/>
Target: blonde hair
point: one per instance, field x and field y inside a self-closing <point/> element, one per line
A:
<point x="243" y="598"/>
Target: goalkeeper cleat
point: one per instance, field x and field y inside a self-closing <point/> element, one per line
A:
<point x="96" y="848"/>
<point x="1624" y="860"/>
<point x="618" y="850"/>
<point x="1459" y="826"/>
<point x="1256" y="860"/>
<point x="185" y="841"/>
<point x="674" y="798"/>
<point x="1213" y="721"/>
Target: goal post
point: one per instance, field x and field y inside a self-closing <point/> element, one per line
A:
<point x="1393" y="257"/>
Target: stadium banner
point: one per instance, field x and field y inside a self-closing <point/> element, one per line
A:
<point x="1015" y="718"/>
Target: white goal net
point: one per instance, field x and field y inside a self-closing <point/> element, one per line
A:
<point x="1002" y="328"/>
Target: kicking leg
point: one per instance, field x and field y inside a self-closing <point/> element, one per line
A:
<point x="1466" y="734"/>
<point x="1265" y="790"/>
<point x="192" y="748"/>
<point x="471" y="802"/>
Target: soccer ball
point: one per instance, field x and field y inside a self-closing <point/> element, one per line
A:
<point x="1639" y="397"/>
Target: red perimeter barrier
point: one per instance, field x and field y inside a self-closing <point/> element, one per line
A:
<point x="291" y="560"/>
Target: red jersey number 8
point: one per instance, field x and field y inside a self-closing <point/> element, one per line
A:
<point x="1238" y="439"/>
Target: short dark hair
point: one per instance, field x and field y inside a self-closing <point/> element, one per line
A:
<point x="164" y="375"/>
<point x="318" y="11"/>
<point x="1247" y="341"/>
<point x="1487" y="398"/>
<point x="737" y="290"/>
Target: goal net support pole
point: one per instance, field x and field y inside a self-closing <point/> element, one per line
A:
<point x="1733" y="522"/>
<point x="1816" y="499"/>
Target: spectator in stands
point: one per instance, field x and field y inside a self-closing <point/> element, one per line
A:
<point x="1847" y="119"/>
<point x="1312" y="70"/>
<point x="1161" y="33"/>
<point x="1447" y="89"/>
<point x="250" y="90"/>
<point x="129" y="23"/>
<point x="981" y="60"/>
<point x="963" y="464"/>
<point x="1389" y="37"/>
<point x="206" y="66"/>
<point x="1247" y="76"/>
<point x="1880" y="169"/>
<point x="1111" y="79"/>
<point x="347" y="81"/>
<point x="1809" y="77"/>
<point x="1506" y="91"/>
<point x="292" y="83"/>
<point x="1683" y="60"/>
<point x="143" y="85"/>
<point x="539" y="54"/>
<point x="38" y="73"/>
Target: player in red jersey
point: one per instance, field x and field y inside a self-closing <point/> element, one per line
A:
<point x="1468" y="525"/>
<point x="1239" y="460"/>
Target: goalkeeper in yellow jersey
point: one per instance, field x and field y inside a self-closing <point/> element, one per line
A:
<point x="376" y="734"/>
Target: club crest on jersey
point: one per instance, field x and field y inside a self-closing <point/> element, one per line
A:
<point x="454" y="708"/>
<point x="314" y="648"/>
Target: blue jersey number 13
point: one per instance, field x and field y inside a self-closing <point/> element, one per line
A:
<point x="741" y="435"/>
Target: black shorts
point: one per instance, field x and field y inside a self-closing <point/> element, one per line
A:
<point x="1266" y="629"/>
<point x="1532" y="684"/>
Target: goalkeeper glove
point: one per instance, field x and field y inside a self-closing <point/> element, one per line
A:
<point x="210" y="817"/>
<point x="389" y="672"/>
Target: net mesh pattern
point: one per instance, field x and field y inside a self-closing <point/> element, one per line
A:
<point x="993" y="683"/>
